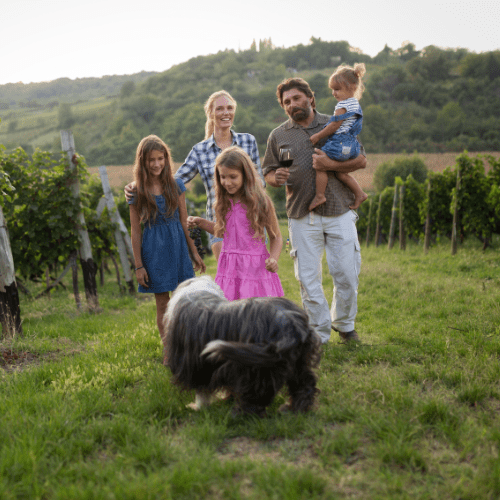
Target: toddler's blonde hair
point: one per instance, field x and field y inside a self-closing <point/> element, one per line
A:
<point x="350" y="77"/>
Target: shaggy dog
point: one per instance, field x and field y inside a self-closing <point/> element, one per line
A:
<point x="249" y="347"/>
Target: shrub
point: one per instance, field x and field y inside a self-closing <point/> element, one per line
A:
<point x="386" y="173"/>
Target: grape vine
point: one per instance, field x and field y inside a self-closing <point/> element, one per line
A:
<point x="41" y="211"/>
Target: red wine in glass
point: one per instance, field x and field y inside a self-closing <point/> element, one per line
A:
<point x="285" y="159"/>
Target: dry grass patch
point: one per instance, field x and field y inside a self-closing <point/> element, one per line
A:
<point x="287" y="452"/>
<point x="15" y="357"/>
<point x="436" y="162"/>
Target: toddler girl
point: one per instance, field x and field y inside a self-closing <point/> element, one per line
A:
<point x="342" y="128"/>
<point x="162" y="253"/>
<point x="242" y="211"/>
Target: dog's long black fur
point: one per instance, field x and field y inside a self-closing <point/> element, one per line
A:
<point x="251" y="347"/>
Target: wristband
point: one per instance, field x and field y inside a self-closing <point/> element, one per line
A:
<point x="137" y="268"/>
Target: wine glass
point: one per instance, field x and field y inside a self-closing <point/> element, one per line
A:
<point x="286" y="160"/>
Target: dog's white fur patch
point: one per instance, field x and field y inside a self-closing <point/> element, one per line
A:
<point x="189" y="287"/>
<point x="211" y="347"/>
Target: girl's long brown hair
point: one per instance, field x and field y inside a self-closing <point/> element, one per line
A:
<point x="145" y="200"/>
<point x="260" y="208"/>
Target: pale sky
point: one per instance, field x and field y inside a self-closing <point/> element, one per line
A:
<point x="42" y="40"/>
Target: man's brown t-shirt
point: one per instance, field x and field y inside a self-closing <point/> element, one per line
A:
<point x="302" y="174"/>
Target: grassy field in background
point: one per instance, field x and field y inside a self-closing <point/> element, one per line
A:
<point x="411" y="412"/>
<point x="435" y="162"/>
<point x="39" y="127"/>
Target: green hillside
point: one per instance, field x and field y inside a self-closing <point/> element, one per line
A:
<point x="434" y="100"/>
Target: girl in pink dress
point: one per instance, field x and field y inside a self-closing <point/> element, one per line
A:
<point x="242" y="211"/>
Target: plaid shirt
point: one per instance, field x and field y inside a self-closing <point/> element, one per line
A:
<point x="201" y="160"/>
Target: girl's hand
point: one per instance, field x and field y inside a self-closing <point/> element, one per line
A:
<point x="199" y="265"/>
<point x="130" y="191"/>
<point x="271" y="265"/>
<point x="314" y="138"/>
<point x="320" y="159"/>
<point x="192" y="222"/>
<point x="142" y="277"/>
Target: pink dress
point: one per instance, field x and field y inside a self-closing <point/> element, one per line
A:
<point x="241" y="271"/>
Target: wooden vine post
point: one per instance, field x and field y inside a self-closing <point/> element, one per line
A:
<point x="121" y="232"/>
<point x="428" y="224"/>
<point x="454" y="243"/>
<point x="10" y="311"/>
<point x="392" y="228"/>
<point x="74" y="276"/>
<point x="377" y="227"/>
<point x="369" y="221"/>
<point x="89" y="267"/>
<point x="402" y="222"/>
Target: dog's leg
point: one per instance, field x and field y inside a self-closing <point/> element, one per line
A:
<point x="202" y="399"/>
<point x="249" y="409"/>
<point x="302" y="389"/>
<point x="256" y="399"/>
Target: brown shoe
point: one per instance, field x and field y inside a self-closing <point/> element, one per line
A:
<point x="348" y="336"/>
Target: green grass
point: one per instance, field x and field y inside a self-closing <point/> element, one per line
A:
<point x="411" y="412"/>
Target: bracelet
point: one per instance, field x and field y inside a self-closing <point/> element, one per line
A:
<point x="137" y="268"/>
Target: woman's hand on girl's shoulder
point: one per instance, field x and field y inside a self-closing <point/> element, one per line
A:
<point x="271" y="265"/>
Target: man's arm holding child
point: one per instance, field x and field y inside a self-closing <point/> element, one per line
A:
<point x="322" y="163"/>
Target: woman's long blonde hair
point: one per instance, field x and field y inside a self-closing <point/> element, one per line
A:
<point x="145" y="200"/>
<point x="209" y="110"/>
<point x="260" y="208"/>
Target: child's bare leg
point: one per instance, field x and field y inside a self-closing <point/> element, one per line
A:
<point x="352" y="184"/>
<point x="321" y="182"/>
<point x="161" y="306"/>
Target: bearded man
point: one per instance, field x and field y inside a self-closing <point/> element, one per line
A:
<point x="330" y="227"/>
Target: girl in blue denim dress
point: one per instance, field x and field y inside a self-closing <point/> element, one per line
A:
<point x="162" y="251"/>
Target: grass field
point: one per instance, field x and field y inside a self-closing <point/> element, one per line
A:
<point x="413" y="412"/>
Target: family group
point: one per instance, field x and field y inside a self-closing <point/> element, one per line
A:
<point x="321" y="198"/>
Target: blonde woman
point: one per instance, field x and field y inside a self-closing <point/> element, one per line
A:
<point x="220" y="109"/>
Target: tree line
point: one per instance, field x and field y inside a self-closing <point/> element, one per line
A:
<point x="37" y="94"/>
<point x="432" y="100"/>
